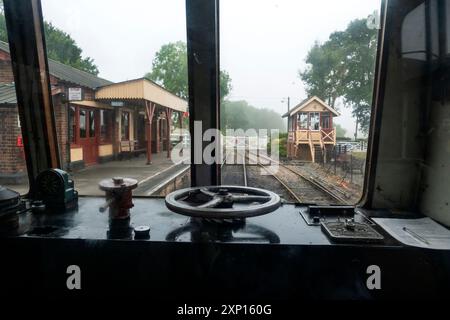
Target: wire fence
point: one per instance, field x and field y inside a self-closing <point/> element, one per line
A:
<point x="347" y="161"/>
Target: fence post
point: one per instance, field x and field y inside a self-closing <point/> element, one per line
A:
<point x="335" y="159"/>
<point x="351" y="168"/>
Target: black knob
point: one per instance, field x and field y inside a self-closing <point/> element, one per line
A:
<point x="142" y="232"/>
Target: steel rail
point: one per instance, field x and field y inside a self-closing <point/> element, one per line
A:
<point x="311" y="181"/>
<point x="291" y="192"/>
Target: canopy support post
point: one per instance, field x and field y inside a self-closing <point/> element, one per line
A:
<point x="150" y="111"/>
<point x="169" y="124"/>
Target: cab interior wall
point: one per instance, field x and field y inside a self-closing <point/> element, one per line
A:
<point x="413" y="155"/>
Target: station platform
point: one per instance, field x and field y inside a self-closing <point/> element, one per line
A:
<point x="86" y="180"/>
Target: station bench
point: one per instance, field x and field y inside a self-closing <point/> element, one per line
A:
<point x="130" y="148"/>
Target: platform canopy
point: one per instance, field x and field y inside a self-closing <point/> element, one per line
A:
<point x="141" y="89"/>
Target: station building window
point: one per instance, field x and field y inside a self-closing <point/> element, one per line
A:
<point x="72" y="124"/>
<point x="106" y="123"/>
<point x="125" y="125"/>
<point x="82" y="123"/>
<point x="92" y="126"/>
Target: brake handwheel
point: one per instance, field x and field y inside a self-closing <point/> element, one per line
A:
<point x="222" y="202"/>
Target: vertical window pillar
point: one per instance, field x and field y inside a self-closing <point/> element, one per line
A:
<point x="202" y="19"/>
<point x="29" y="60"/>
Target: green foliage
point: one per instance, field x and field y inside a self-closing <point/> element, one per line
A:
<point x="60" y="46"/>
<point x="281" y="143"/>
<point x="360" y="155"/>
<point x="241" y="115"/>
<point x="343" y="67"/>
<point x="3" y="33"/>
<point x="225" y="84"/>
<point x="343" y="139"/>
<point x="169" y="69"/>
<point x="340" y="131"/>
<point x="323" y="75"/>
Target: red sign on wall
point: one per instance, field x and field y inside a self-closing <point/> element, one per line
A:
<point x="19" y="141"/>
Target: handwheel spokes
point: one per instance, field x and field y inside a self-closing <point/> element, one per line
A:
<point x="206" y="192"/>
<point x="212" y="203"/>
<point x="222" y="202"/>
<point x="247" y="198"/>
<point x="218" y="198"/>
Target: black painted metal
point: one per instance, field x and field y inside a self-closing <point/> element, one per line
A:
<point x="202" y="18"/>
<point x="223" y="202"/>
<point x="275" y="256"/>
<point x="378" y="96"/>
<point x="29" y="60"/>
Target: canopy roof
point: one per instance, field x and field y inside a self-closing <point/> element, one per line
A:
<point x="141" y="89"/>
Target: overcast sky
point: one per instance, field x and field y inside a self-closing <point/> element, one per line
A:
<point x="263" y="42"/>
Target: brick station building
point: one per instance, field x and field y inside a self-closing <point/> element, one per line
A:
<point x="97" y="120"/>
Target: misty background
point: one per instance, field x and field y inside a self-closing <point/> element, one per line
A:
<point x="263" y="43"/>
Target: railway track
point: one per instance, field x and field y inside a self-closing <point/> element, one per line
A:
<point x="300" y="187"/>
<point x="239" y="168"/>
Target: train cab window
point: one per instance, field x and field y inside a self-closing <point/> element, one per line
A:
<point x="312" y="91"/>
<point x="112" y="103"/>
<point x="299" y="143"/>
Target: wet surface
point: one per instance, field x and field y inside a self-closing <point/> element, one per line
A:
<point x="275" y="255"/>
<point x="284" y="226"/>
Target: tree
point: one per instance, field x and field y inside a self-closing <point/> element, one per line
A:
<point x="340" y="131"/>
<point x="343" y="67"/>
<point x="324" y="74"/>
<point x="361" y="44"/>
<point x="241" y="115"/>
<point x="60" y="46"/>
<point x="169" y="69"/>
